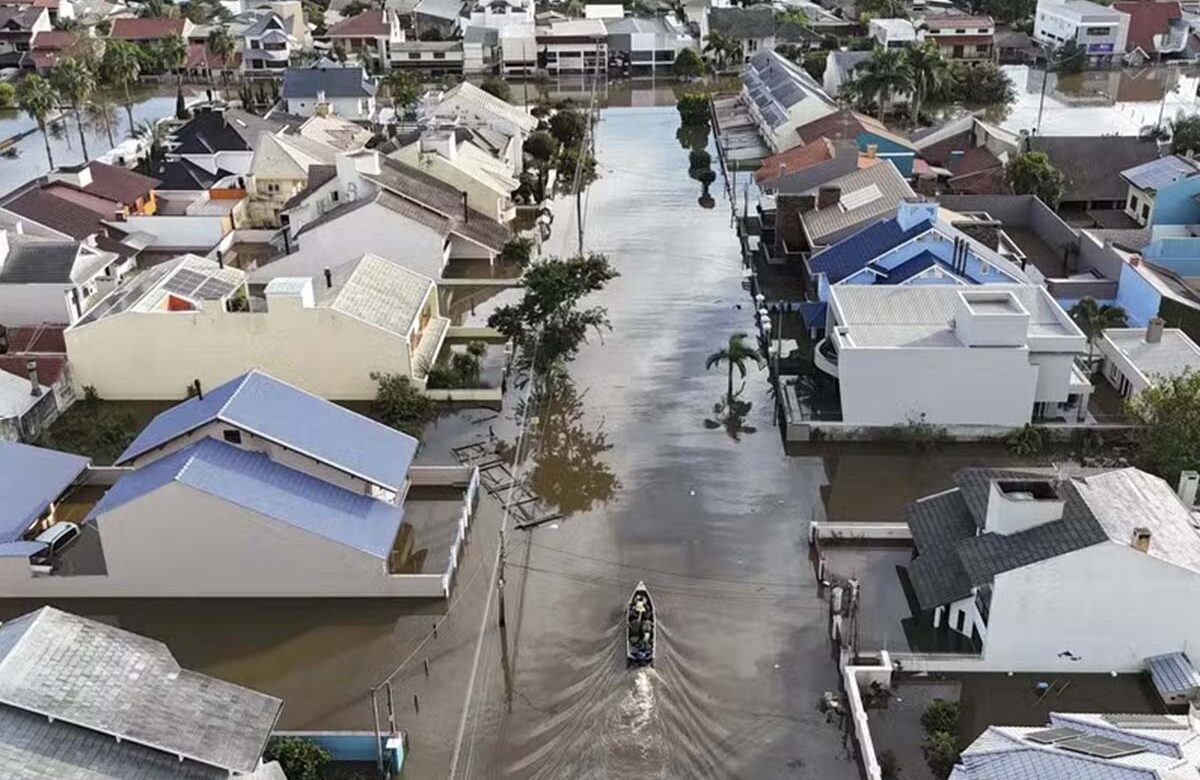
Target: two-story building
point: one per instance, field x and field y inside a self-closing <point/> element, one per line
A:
<point x="573" y="46"/>
<point x="267" y="45"/>
<point x="451" y="156"/>
<point x="1099" y="30"/>
<point x="346" y="92"/>
<point x="18" y="27"/>
<point x="368" y="34"/>
<point x="892" y="33"/>
<point x="1162" y="191"/>
<point x="48" y="281"/>
<point x="962" y="38"/>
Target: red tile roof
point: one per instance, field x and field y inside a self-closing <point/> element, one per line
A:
<point x="198" y="56"/>
<point x="49" y="367"/>
<point x="54" y="39"/>
<point x="56" y="213"/>
<point x="963" y="40"/>
<point x="368" y="24"/>
<point x="42" y="338"/>
<point x="955" y="22"/>
<point x="119" y="184"/>
<point x="146" y="29"/>
<point x="1147" y="19"/>
<point x="795" y="159"/>
<point x="44" y="342"/>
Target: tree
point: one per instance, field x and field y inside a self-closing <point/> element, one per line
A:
<point x="882" y="76"/>
<point x="576" y="172"/>
<point x="518" y="251"/>
<point x="688" y="64"/>
<point x="221" y="46"/>
<point x="976" y="84"/>
<point x="121" y="67"/>
<point x="157" y="9"/>
<point x="1093" y="319"/>
<point x="497" y="87"/>
<point x="814" y="64"/>
<point x="792" y="15"/>
<point x="155" y="135"/>
<point x="693" y="108"/>
<point x="403" y="89"/>
<point x="39" y="99"/>
<point x="76" y="83"/>
<point x="1168" y="417"/>
<point x="1032" y="174"/>
<point x="541" y="146"/>
<point x="941" y="753"/>
<point x="102" y="112"/>
<point x="399" y="404"/>
<point x="568" y="126"/>
<point x="940" y="715"/>
<point x="925" y="70"/>
<point x="1071" y="57"/>
<point x="735" y="354"/>
<point x="339" y="50"/>
<point x="722" y="48"/>
<point x="8" y="94"/>
<point x="298" y="758"/>
<point x="172" y="53"/>
<point x="1185" y="134"/>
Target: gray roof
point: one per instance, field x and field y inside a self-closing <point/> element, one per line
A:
<point x="847" y="61"/>
<point x="742" y="23"/>
<point x="1076" y="157"/>
<point x="42" y="261"/>
<point x="334" y="82"/>
<point x="259" y="27"/>
<point x="318" y="176"/>
<point x="1156" y="174"/>
<point x="827" y="224"/>
<point x="441" y="9"/>
<point x="380" y="292"/>
<point x="488" y="36"/>
<point x="113" y="682"/>
<point x="1174" y="353"/>
<point x="1173" y="674"/>
<point x="955" y="553"/>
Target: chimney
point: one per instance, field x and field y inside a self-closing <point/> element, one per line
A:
<point x="955" y="158"/>
<point x="35" y="387"/>
<point x="872" y="151"/>
<point x="199" y="389"/>
<point x="466" y="209"/>
<point x="828" y="196"/>
<point x="220" y="259"/>
<point x="782" y="170"/>
<point x="76" y="175"/>
<point x="1154" y="330"/>
<point x="328" y="279"/>
<point x="1141" y="539"/>
<point x="1189" y="481"/>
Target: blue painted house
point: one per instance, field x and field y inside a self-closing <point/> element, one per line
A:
<point x="1163" y="191"/>
<point x="871" y="135"/>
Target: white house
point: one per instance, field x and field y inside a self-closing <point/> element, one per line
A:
<point x="573" y="46"/>
<point x="451" y="156"/>
<point x="346" y="92"/>
<point x="190" y="319"/>
<point x="1134" y="358"/>
<point x="258" y="489"/>
<point x="1101" y="31"/>
<point x="51" y="281"/>
<point x="995" y="355"/>
<point x="267" y="45"/>
<point x="892" y="33"/>
<point x="780" y="97"/>
<point x="1084" y="574"/>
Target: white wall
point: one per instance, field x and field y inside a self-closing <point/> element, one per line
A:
<point x="181" y="232"/>
<point x="347" y="108"/>
<point x="950" y="386"/>
<point x="234" y="162"/>
<point x="34" y="304"/>
<point x="1053" y="376"/>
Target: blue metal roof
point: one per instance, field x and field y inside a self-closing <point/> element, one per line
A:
<point x="813" y="313"/>
<point x="262" y="405"/>
<point x="1173" y="674"/>
<point x="31" y="478"/>
<point x="855" y="251"/>
<point x="922" y="261"/>
<point x="254" y="481"/>
<point x="1156" y="174"/>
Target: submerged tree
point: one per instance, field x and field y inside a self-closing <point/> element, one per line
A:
<point x="1032" y="173"/>
<point x="76" y="83"/>
<point x="38" y="98"/>
<point x="121" y="67"/>
<point x="734" y="354"/>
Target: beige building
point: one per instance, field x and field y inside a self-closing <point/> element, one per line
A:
<point x="451" y="156"/>
<point x="191" y="319"/>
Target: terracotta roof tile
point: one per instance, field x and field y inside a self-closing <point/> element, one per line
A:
<point x="146" y="29"/>
<point x="368" y="24"/>
<point x="794" y="159"/>
<point x="1147" y="19"/>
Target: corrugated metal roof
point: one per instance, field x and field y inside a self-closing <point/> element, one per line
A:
<point x="262" y="405"/>
<point x="380" y="292"/>
<point x="1156" y="174"/>
<point x="821" y="224"/>
<point x="31" y="478"/>
<point x="852" y="253"/>
<point x="117" y="683"/>
<point x="1168" y="357"/>
<point x="1173" y="674"/>
<point x="253" y="481"/>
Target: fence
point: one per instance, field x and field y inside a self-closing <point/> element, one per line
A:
<point x="854" y="678"/>
<point x="470" y="502"/>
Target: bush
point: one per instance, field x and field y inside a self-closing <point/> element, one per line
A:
<point x="518" y="250"/>
<point x="1027" y="442"/>
<point x="8" y="93"/>
<point x="461" y="370"/>
<point x="399" y="404"/>
<point x="568" y="127"/>
<point x="699" y="158"/>
<point x="494" y="85"/>
<point x="688" y="64"/>
<point x="299" y="758"/>
<point x="541" y="146"/>
<point x="889" y="765"/>
<point x="814" y="64"/>
<point x="693" y="108"/>
<point x="919" y="433"/>
<point x="940" y="715"/>
<point x="941" y="753"/>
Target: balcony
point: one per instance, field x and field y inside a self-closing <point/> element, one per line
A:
<point x="825" y="357"/>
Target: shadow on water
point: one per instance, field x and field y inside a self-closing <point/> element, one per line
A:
<point x="730" y="415"/>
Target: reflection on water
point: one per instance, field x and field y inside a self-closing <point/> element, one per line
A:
<point x="1115" y="102"/>
<point x="730" y="414"/>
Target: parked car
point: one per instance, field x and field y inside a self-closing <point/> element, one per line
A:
<point x="56" y="538"/>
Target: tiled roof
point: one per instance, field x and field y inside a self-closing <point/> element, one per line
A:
<point x="119" y="184"/>
<point x="183" y="174"/>
<point x="856" y="250"/>
<point x="292" y="418"/>
<point x="78" y="671"/>
<point x="486" y="102"/>
<point x="38" y="261"/>
<point x="351" y="82"/>
<point x="794" y="159"/>
<point x="254" y="481"/>
<point x="743" y="23"/>
<point x="1148" y="18"/>
<point x="1156" y="174"/>
<point x="368" y="24"/>
<point x="231" y="130"/>
<point x="830" y="222"/>
<point x="38" y="339"/>
<point x="1076" y="157"/>
<point x="381" y="293"/>
<point x="848" y="124"/>
<point x="71" y="219"/>
<point x="20" y="18"/>
<point x="955" y="21"/>
<point x="30" y="479"/>
<point x="441" y="9"/>
<point x="1173" y="674"/>
<point x="198" y="56"/>
<point x="136" y="29"/>
<point x="1171" y="355"/>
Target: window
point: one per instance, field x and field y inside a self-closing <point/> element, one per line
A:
<point x="961" y="621"/>
<point x="1129" y="203"/>
<point x="232" y="436"/>
<point x="1145" y="211"/>
<point x="272" y="188"/>
<point x="414" y="55"/>
<point x="255" y="44"/>
<point x="439" y="55"/>
<point x="1098" y="30"/>
<point x="960" y="32"/>
<point x="982" y="48"/>
<point x="335" y="196"/>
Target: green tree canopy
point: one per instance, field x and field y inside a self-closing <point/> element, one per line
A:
<point x="1185" y="134"/>
<point x="693" y="108"/>
<point x="925" y="70"/>
<point x="1093" y="319"/>
<point x="403" y="88"/>
<point x="299" y="758"/>
<point x="883" y="76"/>
<point x="541" y="146"/>
<point x="494" y="85"/>
<point x="1168" y="415"/>
<point x="76" y="83"/>
<point x="1032" y="174"/>
<point x="688" y="64"/>
<point x="735" y="354"/>
<point x="400" y="404"/>
<point x="568" y="126"/>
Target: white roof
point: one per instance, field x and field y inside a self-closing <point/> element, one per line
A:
<point x="15" y="395"/>
<point x="896" y="28"/>
<point x="1175" y="353"/>
<point x="477" y="99"/>
<point x="603" y="11"/>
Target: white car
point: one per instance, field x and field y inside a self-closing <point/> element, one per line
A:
<point x="56" y="538"/>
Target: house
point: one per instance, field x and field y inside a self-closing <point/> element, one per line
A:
<point x="49" y="46"/>
<point x="267" y="45"/>
<point x="871" y="135"/>
<point x="112" y="703"/>
<point x="647" y="43"/>
<point x="962" y="38"/>
<point x="1162" y="191"/>
<point x="368" y="34"/>
<point x="801" y="168"/>
<point x="440" y="18"/>
<point x="573" y="46"/>
<point x="1050" y="574"/>
<point x="53" y="281"/>
<point x="191" y="319"/>
<point x="1087" y="186"/>
<point x="18" y="28"/>
<point x="518" y="48"/>
<point x="496" y="14"/>
<point x="467" y="105"/>
<point x="826" y="213"/>
<point x="1015" y="47"/>
<point x="916" y="247"/>
<point x="1156" y="30"/>
<point x="442" y="57"/>
<point x="1135" y="358"/>
<point x="219" y="139"/>
<point x="966" y="156"/>
<point x="481" y="50"/>
<point x="347" y="92"/>
<point x="998" y="356"/>
<point x="36" y="385"/>
<point x="892" y="33"/>
<point x="753" y="27"/>
<point x="389" y="208"/>
<point x="780" y="97"/>
<point x="260" y="506"/>
<point x="1099" y="30"/>
<point x="151" y="29"/>
<point x="1134" y="746"/>
<point x="840" y="67"/>
<point x="451" y="156"/>
<point x="76" y="201"/>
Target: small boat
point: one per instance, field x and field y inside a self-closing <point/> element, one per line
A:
<point x="639" y="631"/>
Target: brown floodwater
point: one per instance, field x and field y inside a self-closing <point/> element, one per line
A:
<point x="652" y="484"/>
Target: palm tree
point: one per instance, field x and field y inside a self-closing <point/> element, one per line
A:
<point x="172" y="55"/>
<point x="722" y="47"/>
<point x="102" y="112"/>
<point x="222" y="47"/>
<point x="882" y="76"/>
<point x="76" y="83"/>
<point x="925" y="70"/>
<point x="121" y="67"/>
<point x="37" y="97"/>
<point x="155" y="135"/>
<point x="1093" y="319"/>
<point x="736" y="353"/>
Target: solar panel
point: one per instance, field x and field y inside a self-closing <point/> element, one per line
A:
<point x="1140" y="721"/>
<point x="184" y="282"/>
<point x="214" y="288"/>
<point x="1101" y="747"/>
<point x="1050" y="736"/>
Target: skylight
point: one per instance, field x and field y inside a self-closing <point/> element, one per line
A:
<point x="860" y="198"/>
